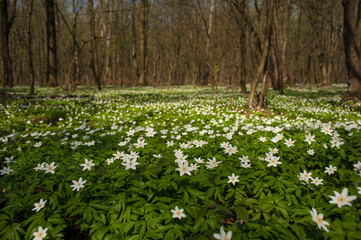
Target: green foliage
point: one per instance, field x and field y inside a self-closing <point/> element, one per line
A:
<point x="266" y="202"/>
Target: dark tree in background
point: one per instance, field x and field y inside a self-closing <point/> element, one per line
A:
<point x="93" y="45"/>
<point x="51" y="63"/>
<point x="134" y="41"/>
<point x="144" y="8"/>
<point x="30" y="4"/>
<point x="7" y="20"/>
<point x="353" y="63"/>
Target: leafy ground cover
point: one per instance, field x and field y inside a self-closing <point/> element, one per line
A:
<point x="144" y="163"/>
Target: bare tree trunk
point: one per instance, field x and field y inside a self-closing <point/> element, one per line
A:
<point x="351" y="51"/>
<point x="134" y="42"/>
<point x="143" y="80"/>
<point x="93" y="44"/>
<point x="275" y="43"/>
<point x="30" y="52"/>
<point x="106" y="23"/>
<point x="273" y="65"/>
<point x="6" y="24"/>
<point x="75" y="48"/>
<point x="265" y="51"/>
<point x="284" y="60"/>
<point x="52" y="66"/>
<point x="208" y="44"/>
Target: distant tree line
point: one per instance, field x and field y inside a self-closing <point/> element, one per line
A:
<point x="278" y="43"/>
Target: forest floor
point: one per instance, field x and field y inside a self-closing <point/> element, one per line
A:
<point x="179" y="163"/>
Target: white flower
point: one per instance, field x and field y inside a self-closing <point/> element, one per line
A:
<point x="212" y="163"/>
<point x="40" y="234"/>
<point x="244" y="159"/>
<point x="330" y="170"/>
<point x="273" y="150"/>
<point x="246" y="165"/>
<point x="183" y="169"/>
<point x="310" y="138"/>
<point x="342" y="199"/>
<point x="110" y="160"/>
<point x="78" y="184"/>
<point x="327" y="129"/>
<point x="170" y="143"/>
<point x="130" y="164"/>
<point x="222" y="235"/>
<point x="9" y="160"/>
<point x="40" y="167"/>
<point x="289" y="142"/>
<point x="50" y="168"/>
<point x="305" y="176"/>
<point x="87" y="164"/>
<point x="230" y="150"/>
<point x="133" y="155"/>
<point x="311" y="151"/>
<point x="194" y="166"/>
<point x="150" y="133"/>
<point x="359" y="190"/>
<point x="318" y="218"/>
<point x="357" y="166"/>
<point x="224" y="145"/>
<point x="6" y="170"/>
<point x="140" y="143"/>
<point x="178" y="213"/>
<point x="262" y="139"/>
<point x="39" y="205"/>
<point x="317" y="181"/>
<point x="273" y="161"/>
<point x="118" y="155"/>
<point x="336" y="142"/>
<point x="233" y="179"/>
<point x="199" y="160"/>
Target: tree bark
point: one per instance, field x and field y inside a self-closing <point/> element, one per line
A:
<point x="6" y="24"/>
<point x="30" y="52"/>
<point x="75" y="47"/>
<point x="208" y="44"/>
<point x="284" y="60"/>
<point x="134" y="42"/>
<point x="143" y="80"/>
<point x="93" y="45"/>
<point x="52" y="66"/>
<point x="350" y="47"/>
<point x="261" y="69"/>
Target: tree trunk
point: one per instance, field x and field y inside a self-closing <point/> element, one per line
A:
<point x="273" y="66"/>
<point x="93" y="45"/>
<point x="261" y="69"/>
<point x="6" y="24"/>
<point x="52" y="66"/>
<point x="350" y="47"/>
<point x="143" y="80"/>
<point x="134" y="42"/>
<point x="75" y="48"/>
<point x="208" y="44"/>
<point x="106" y="22"/>
<point x="284" y="60"/>
<point x="30" y="52"/>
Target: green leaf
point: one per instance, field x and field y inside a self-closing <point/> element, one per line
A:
<point x="242" y="213"/>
